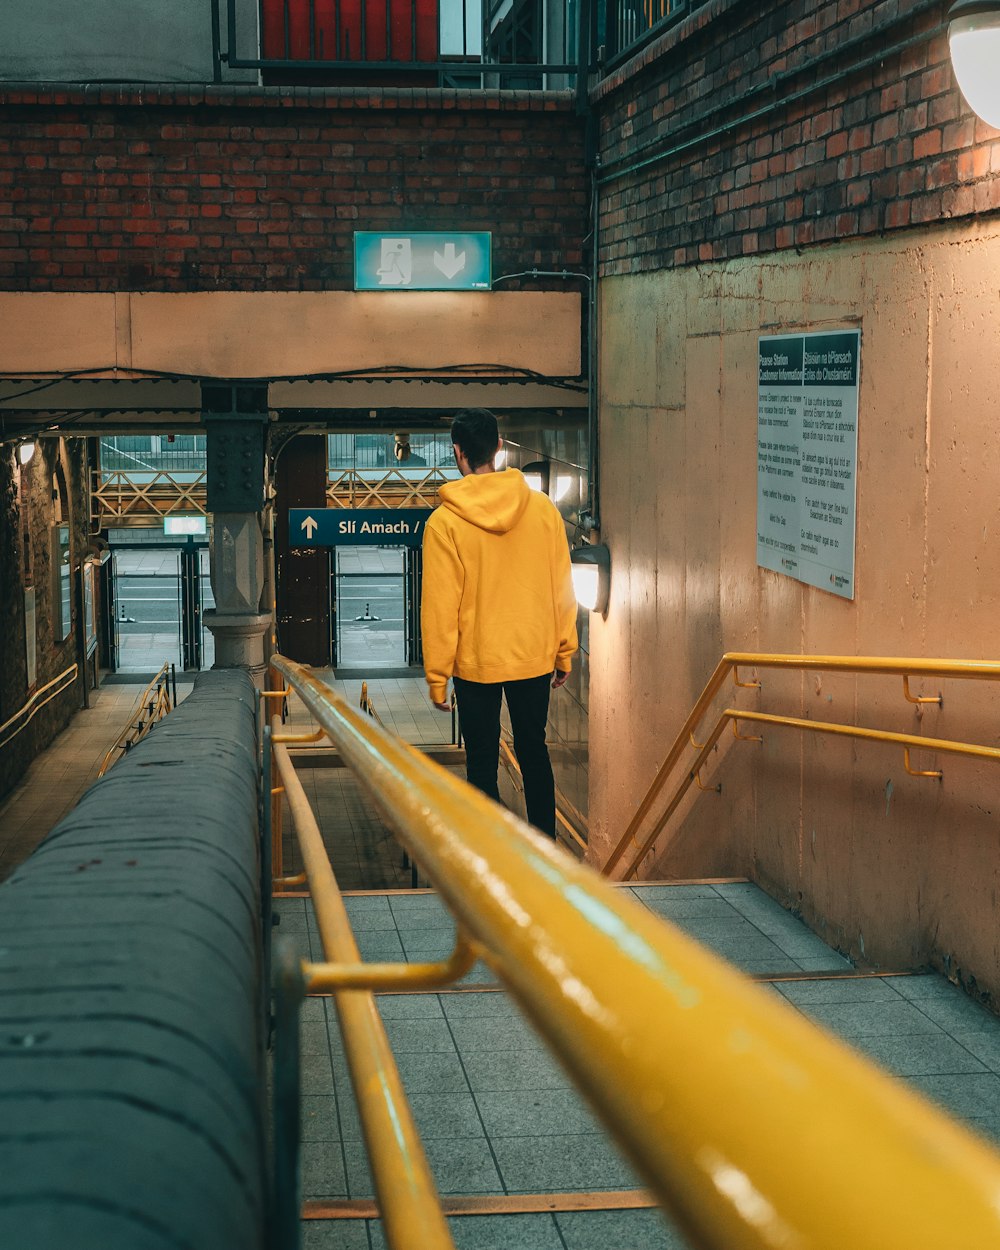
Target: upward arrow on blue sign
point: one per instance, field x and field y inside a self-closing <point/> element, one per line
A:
<point x="422" y="260"/>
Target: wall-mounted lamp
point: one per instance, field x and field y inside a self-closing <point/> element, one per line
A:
<point x="536" y="475"/>
<point x="974" y="36"/>
<point x="26" y="452"/>
<point x="592" y="576"/>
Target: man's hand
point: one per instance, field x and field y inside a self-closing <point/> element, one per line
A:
<point x="559" y="678"/>
<point x="443" y="707"/>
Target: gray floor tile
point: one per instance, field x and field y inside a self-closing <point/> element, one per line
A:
<point x="646" y="892"/>
<point x="466" y="1006"/>
<point x="973" y="1095"/>
<point x="409" y="1006"/>
<point x="985" y="1046"/>
<point x="847" y="990"/>
<point x="514" y="1070"/>
<point x="490" y="1034"/>
<point x="323" y="1170"/>
<point x="495" y="1232"/>
<point x="335" y="1235"/>
<point x="535" y="1113"/>
<point x="919" y="1055"/>
<point x="558" y="1164"/>
<point x="319" y="1118"/>
<point x="677" y="908"/>
<point x="925" y="985"/>
<point x="831" y="962"/>
<point x="419" y="1035"/>
<point x="956" y="1012"/>
<point x="437" y="1072"/>
<point x="618" y="1230"/>
<point x="426" y="944"/>
<point x="460" y="1166"/>
<point x="316" y="1074"/>
<point x="437" y="1115"/>
<point x="380" y="945"/>
<point x="852" y="1020"/>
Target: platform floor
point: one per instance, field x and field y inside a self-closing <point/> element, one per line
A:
<point x="499" y="1118"/>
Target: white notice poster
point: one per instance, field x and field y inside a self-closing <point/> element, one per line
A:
<point x="807" y="452"/>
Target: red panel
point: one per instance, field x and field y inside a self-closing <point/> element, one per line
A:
<point x="337" y="30"/>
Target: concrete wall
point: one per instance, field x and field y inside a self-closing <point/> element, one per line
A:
<point x="890" y="868"/>
<point x="119" y="41"/>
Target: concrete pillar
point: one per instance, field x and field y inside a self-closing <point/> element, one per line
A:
<point x="237" y="572"/>
<point x="235" y="418"/>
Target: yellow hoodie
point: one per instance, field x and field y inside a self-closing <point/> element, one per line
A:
<point x="498" y="601"/>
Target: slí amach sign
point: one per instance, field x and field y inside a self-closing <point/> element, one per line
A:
<point x="807" y="455"/>
<point x="357" y="527"/>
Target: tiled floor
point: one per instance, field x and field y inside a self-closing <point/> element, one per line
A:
<point x="498" y="1116"/>
<point x="58" y="776"/>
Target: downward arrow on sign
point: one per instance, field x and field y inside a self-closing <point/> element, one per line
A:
<point x="449" y="263"/>
<point x="310" y="525"/>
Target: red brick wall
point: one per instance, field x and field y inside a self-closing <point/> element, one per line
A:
<point x="786" y="123"/>
<point x="262" y="188"/>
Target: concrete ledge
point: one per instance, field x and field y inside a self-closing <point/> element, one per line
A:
<point x="130" y="1032"/>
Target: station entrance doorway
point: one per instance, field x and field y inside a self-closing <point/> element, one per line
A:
<point x="157" y="595"/>
<point x="375" y="608"/>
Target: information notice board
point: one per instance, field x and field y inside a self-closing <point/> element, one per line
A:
<point x="807" y="456"/>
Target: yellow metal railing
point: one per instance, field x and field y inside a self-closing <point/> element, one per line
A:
<point x="151" y="706"/>
<point x="729" y="665"/>
<point x="754" y="1128"/>
<point x="564" y="809"/>
<point x="393" y="488"/>
<point x="23" y="717"/>
<point x="119" y="496"/>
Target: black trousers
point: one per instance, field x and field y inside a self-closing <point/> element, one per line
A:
<point x="479" y="717"/>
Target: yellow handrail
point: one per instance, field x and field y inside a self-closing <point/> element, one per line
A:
<point x="155" y="700"/>
<point x="404" y="1184"/>
<point x="37" y="702"/>
<point x="732" y="661"/>
<point x="755" y="1128"/>
<point x="572" y="835"/>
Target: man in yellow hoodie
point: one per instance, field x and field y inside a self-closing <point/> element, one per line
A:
<point x="498" y="614"/>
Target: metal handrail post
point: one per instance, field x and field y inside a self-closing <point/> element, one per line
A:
<point x="289" y="992"/>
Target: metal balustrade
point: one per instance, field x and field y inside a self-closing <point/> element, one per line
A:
<point x="752" y="1126"/>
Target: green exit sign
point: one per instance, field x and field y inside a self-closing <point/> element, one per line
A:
<point x="422" y="260"/>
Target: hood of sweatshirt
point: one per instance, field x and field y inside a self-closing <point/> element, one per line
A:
<point x="494" y="502"/>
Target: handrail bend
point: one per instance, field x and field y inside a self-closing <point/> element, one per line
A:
<point x="730" y="664"/>
<point x="750" y="1124"/>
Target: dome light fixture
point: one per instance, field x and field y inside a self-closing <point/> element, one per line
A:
<point x="592" y="576"/>
<point x="974" y="37"/>
<point x="26" y="452"/>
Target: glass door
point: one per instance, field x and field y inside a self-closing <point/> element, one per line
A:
<point x="370" y="630"/>
<point x="148" y="609"/>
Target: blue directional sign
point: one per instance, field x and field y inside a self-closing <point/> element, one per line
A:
<point x="357" y="527"/>
<point x="422" y="260"/>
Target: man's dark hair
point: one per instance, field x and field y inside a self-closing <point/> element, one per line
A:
<point x="475" y="433"/>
